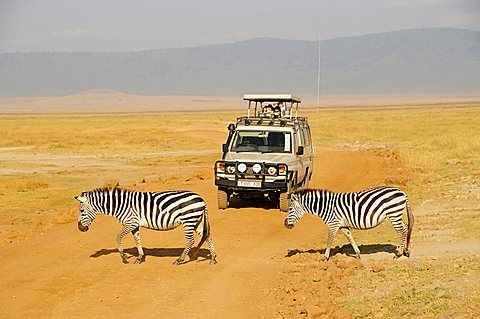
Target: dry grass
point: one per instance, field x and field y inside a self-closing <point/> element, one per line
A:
<point x="24" y="184"/>
<point x="439" y="146"/>
<point x="407" y="289"/>
<point x="104" y="134"/>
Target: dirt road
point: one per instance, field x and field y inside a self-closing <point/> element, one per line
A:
<point x="68" y="274"/>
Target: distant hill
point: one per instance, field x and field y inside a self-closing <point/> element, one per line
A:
<point x="410" y="61"/>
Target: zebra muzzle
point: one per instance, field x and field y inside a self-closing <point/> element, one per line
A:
<point x="289" y="226"/>
<point x="81" y="227"/>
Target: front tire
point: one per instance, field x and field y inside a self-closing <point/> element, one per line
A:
<point x="222" y="199"/>
<point x="283" y="202"/>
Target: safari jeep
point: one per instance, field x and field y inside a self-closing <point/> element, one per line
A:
<point x="268" y="153"/>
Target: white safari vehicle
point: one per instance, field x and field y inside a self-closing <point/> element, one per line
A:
<point x="268" y="153"/>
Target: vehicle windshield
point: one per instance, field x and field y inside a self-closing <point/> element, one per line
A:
<point x="262" y="141"/>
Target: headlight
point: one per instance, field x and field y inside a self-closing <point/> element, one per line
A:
<point x="282" y="168"/>
<point x="272" y="170"/>
<point x="242" y="167"/>
<point x="220" y="167"/>
<point x="257" y="168"/>
<point x="230" y="169"/>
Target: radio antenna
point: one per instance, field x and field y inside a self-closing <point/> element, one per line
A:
<point x="318" y="80"/>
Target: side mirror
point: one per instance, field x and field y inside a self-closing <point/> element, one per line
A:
<point x="231" y="127"/>
<point x="300" y="150"/>
<point x="224" y="148"/>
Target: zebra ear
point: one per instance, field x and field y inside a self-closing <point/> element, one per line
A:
<point x="81" y="199"/>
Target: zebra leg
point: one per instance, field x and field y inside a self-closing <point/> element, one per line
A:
<point x="348" y="234"/>
<point x="188" y="246"/>
<point x="401" y="230"/>
<point x="136" y="235"/>
<point x="213" y="255"/>
<point x="332" y="231"/>
<point x="125" y="230"/>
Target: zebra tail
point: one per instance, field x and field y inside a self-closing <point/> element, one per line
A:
<point x="205" y="234"/>
<point x="410" y="222"/>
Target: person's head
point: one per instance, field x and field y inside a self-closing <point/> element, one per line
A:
<point x="276" y="111"/>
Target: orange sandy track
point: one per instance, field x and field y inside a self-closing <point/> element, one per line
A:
<point x="68" y="274"/>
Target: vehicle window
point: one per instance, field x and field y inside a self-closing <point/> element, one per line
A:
<point x="301" y="134"/>
<point x="262" y="141"/>
<point x="306" y="131"/>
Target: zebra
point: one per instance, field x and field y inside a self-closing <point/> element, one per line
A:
<point x="153" y="210"/>
<point x="361" y="210"/>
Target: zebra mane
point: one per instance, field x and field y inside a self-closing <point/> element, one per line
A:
<point x="303" y="191"/>
<point x="104" y="190"/>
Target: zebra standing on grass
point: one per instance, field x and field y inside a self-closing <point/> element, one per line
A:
<point x="362" y="210"/>
<point x="158" y="211"/>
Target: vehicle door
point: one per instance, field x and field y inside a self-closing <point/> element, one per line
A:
<point x="299" y="158"/>
<point x="307" y="153"/>
<point x="305" y="156"/>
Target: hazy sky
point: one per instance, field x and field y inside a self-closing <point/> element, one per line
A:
<point x="132" y="25"/>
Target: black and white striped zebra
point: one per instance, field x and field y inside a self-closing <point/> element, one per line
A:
<point x="362" y="210"/>
<point x="153" y="210"/>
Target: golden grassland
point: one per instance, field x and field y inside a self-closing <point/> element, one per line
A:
<point x="439" y="148"/>
<point x="99" y="134"/>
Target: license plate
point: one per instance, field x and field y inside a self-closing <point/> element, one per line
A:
<point x="249" y="183"/>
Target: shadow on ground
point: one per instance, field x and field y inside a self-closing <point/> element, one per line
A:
<point x="265" y="203"/>
<point x="347" y="250"/>
<point x="152" y="252"/>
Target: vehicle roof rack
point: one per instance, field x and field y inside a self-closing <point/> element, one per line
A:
<point x="272" y="98"/>
<point x="272" y="105"/>
<point x="262" y="121"/>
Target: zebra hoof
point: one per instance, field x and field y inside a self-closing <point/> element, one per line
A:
<point x="124" y="259"/>
<point x="139" y="260"/>
<point x="406" y="253"/>
<point x="213" y="262"/>
<point x="177" y="262"/>
<point x="325" y="258"/>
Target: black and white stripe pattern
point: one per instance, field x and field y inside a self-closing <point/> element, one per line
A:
<point x="158" y="211"/>
<point x="361" y="210"/>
